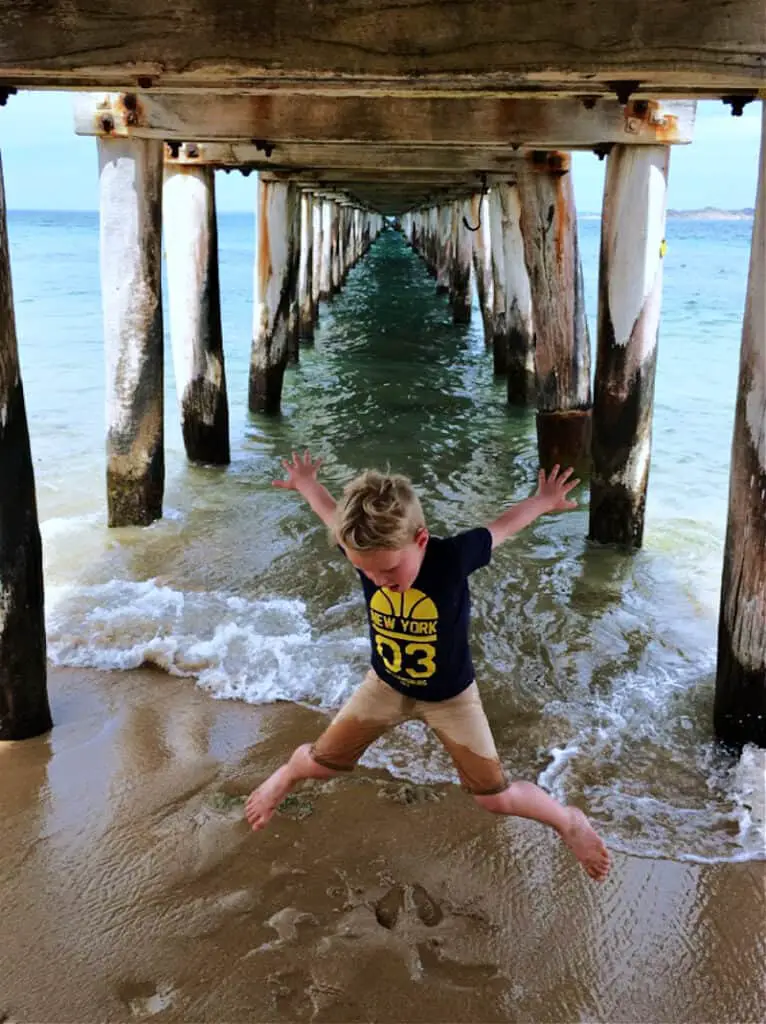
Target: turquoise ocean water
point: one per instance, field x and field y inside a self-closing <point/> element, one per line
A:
<point x="597" y="667"/>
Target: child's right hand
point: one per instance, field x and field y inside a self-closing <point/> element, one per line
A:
<point x="300" y="471"/>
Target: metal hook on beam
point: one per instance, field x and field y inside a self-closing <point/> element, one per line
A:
<point x="484" y="190"/>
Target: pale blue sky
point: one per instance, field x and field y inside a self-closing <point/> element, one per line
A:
<point x="48" y="168"/>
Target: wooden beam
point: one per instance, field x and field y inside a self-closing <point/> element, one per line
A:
<point x="348" y="44"/>
<point x="280" y="117"/>
<point x="345" y="156"/>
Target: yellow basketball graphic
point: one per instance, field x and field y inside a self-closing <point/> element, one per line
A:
<point x="412" y="604"/>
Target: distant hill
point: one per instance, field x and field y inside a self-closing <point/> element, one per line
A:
<point x="713" y="213"/>
<point x="707" y="213"/>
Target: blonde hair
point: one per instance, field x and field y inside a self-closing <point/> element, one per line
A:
<point x="378" y="510"/>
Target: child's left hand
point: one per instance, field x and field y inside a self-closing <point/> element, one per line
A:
<point x="555" y="488"/>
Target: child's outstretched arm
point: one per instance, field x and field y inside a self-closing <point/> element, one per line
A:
<point x="302" y="477"/>
<point x="551" y="496"/>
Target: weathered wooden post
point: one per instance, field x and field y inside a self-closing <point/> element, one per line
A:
<point x="24" y="708"/>
<point x="519" y="332"/>
<point x="444" y="248"/>
<point x="630" y="295"/>
<point x="131" y="226"/>
<point x="336" y="269"/>
<point x="325" y="277"/>
<point x="482" y="260"/>
<point x="460" y="278"/>
<point x="432" y="251"/>
<point x="316" y="252"/>
<point x="276" y="288"/>
<point x="499" y="334"/>
<point x="358" y="248"/>
<point x="191" y="250"/>
<point x="740" y="692"/>
<point x="562" y="347"/>
<point x="306" y="270"/>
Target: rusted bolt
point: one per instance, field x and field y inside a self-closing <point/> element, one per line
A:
<point x="632" y="125"/>
<point x="603" y="149"/>
<point x="737" y="103"/>
<point x="107" y="123"/>
<point x="144" y="82"/>
<point x="624" y="90"/>
<point x="130" y="103"/>
<point x="263" y="146"/>
<point x="5" y="92"/>
<point x="192" y="151"/>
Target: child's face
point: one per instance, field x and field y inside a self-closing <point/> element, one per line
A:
<point x="395" y="569"/>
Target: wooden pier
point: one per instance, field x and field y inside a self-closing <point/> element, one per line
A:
<point x="458" y="121"/>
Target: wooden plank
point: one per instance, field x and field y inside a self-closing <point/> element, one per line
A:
<point x="194" y="303"/>
<point x="279" y="117"/>
<point x="740" y="694"/>
<point x="513" y="44"/>
<point x="630" y="296"/>
<point x="24" y="708"/>
<point x="131" y="258"/>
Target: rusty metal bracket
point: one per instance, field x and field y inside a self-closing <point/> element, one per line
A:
<point x="484" y="190"/>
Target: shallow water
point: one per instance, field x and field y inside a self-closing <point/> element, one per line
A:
<point x="597" y="667"/>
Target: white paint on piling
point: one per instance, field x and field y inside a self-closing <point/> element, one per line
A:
<point x="188" y="201"/>
<point x="130" y="231"/>
<point x="635" y="199"/>
<point x="518" y="291"/>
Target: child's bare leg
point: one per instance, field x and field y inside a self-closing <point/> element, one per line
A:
<point x="264" y="800"/>
<point x="526" y="800"/>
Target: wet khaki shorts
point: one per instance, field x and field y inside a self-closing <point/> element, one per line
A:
<point x="460" y="724"/>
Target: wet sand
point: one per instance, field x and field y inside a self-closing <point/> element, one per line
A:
<point x="131" y="888"/>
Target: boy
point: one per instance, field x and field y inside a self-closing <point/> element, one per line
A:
<point x="416" y="588"/>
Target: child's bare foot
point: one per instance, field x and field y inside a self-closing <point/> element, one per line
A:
<point x="586" y="844"/>
<point x="263" y="801"/>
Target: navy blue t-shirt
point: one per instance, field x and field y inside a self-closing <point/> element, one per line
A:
<point x="420" y="637"/>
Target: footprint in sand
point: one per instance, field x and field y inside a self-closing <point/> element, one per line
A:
<point x="412" y="897"/>
<point x="427" y="909"/>
<point x="144" y="999"/>
<point x="454" y="973"/>
<point x="389" y="907"/>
